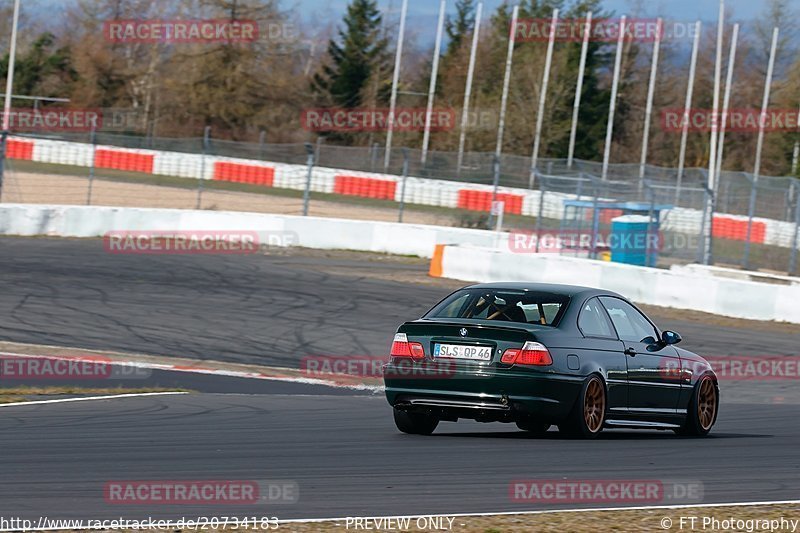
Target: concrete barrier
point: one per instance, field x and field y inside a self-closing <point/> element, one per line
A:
<point x="310" y="232"/>
<point x="733" y="273"/>
<point x="680" y="288"/>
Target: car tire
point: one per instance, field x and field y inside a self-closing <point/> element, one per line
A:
<point x="703" y="409"/>
<point x="533" y="426"/>
<point x="415" y="423"/>
<point x="589" y="412"/>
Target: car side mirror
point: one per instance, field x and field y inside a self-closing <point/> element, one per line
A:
<point x="670" y="337"/>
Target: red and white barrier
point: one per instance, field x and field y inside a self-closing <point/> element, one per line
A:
<point x="62" y="153"/>
<point x="181" y="165"/>
<point x="422" y="191"/>
<point x="129" y="160"/>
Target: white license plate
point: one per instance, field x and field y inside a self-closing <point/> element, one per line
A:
<point x="459" y="351"/>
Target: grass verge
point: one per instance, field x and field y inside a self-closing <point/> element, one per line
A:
<point x="747" y="518"/>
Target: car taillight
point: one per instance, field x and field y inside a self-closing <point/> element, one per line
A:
<point x="402" y="348"/>
<point x="531" y="353"/>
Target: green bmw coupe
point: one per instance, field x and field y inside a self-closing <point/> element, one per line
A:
<point x="540" y="355"/>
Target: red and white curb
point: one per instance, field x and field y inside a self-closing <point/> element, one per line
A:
<point x="199" y="369"/>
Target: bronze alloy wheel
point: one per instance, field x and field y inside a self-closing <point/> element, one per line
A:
<point x="594" y="405"/>
<point x="707" y="404"/>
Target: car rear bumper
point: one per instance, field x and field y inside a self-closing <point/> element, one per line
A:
<point x="493" y="394"/>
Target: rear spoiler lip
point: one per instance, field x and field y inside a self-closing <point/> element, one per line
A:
<point x="492" y="324"/>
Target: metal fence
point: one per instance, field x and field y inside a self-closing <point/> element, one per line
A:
<point x="738" y="193"/>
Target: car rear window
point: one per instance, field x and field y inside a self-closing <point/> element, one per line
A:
<point x="508" y="305"/>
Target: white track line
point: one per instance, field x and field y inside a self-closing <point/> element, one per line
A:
<point x="553" y="511"/>
<point x="87" y="398"/>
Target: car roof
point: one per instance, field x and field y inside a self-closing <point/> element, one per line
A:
<point x="556" y="288"/>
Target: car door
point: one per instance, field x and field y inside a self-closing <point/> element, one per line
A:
<point x="650" y="389"/>
<point x="600" y="339"/>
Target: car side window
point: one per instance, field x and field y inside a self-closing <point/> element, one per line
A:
<point x="454" y="308"/>
<point x="630" y="323"/>
<point x="592" y="320"/>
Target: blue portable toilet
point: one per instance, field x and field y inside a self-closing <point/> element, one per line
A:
<point x="634" y="240"/>
<point x="627" y="240"/>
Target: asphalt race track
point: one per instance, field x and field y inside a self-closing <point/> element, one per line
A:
<point x="348" y="460"/>
<point x="339" y="446"/>
<point x="253" y="309"/>
<point x="269" y="310"/>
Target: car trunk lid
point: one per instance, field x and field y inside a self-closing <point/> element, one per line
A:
<point x="466" y="342"/>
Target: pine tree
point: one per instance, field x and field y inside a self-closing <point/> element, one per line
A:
<point x="44" y="69"/>
<point x="593" y="113"/>
<point x="461" y="26"/>
<point x="355" y="58"/>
